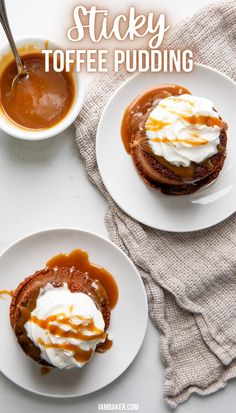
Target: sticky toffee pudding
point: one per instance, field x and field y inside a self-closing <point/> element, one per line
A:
<point x="60" y="315"/>
<point x="177" y="141"/>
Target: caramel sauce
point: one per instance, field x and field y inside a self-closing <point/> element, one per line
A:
<point x="45" y="370"/>
<point x="209" y="121"/>
<point x="186" y="173"/>
<point x="208" y="164"/>
<point x="80" y="354"/>
<point x="176" y="99"/>
<point x="136" y="111"/>
<point x="189" y="141"/>
<point x="102" y="348"/>
<point x="79" y="259"/>
<point x="39" y="101"/>
<point x="194" y="134"/>
<point x="76" y="332"/>
<point x="6" y="292"/>
<point x="155" y="125"/>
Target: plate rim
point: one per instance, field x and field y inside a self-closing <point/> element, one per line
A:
<point x="139" y="279"/>
<point x="143" y="221"/>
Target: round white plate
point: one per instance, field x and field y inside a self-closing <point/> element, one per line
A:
<point x="128" y="319"/>
<point x="203" y="209"/>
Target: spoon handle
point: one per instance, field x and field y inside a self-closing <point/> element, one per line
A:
<point x="5" y="23"/>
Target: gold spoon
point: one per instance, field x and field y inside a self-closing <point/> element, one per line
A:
<point x="22" y="72"/>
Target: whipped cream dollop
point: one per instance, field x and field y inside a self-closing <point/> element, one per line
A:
<point x="66" y="327"/>
<point x="184" y="129"/>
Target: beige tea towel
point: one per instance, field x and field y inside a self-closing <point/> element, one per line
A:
<point x="190" y="278"/>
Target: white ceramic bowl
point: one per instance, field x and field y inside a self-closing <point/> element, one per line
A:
<point x="34" y="135"/>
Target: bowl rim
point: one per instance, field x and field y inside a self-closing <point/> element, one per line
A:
<point x="15" y="130"/>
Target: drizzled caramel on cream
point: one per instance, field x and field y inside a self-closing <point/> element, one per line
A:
<point x="209" y="121"/>
<point x="80" y="354"/>
<point x="155" y="125"/>
<point x="188" y="141"/>
<point x="76" y="332"/>
<point x="177" y="99"/>
<point x="77" y="329"/>
<point x="79" y="259"/>
<point x="85" y="330"/>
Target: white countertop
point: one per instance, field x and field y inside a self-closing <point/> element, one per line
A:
<point x="44" y="184"/>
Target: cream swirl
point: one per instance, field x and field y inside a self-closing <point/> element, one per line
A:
<point x="184" y="129"/>
<point x="66" y="327"/>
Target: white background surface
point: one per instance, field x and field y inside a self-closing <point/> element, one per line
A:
<point x="44" y="185"/>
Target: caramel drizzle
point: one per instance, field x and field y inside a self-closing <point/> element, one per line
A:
<point x="77" y="330"/>
<point x="177" y="99"/>
<point x="102" y="348"/>
<point x="155" y="124"/>
<point x="188" y="141"/>
<point x="6" y="292"/>
<point x="79" y="354"/>
<point x="209" y="121"/>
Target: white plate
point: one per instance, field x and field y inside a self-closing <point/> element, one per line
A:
<point x="203" y="209"/>
<point x="128" y="321"/>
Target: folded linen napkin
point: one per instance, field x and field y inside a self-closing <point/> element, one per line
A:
<point x="190" y="278"/>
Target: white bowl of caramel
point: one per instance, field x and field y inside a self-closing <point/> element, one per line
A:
<point x="46" y="102"/>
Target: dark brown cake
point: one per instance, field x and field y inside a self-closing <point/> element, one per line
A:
<point x="25" y="297"/>
<point x="162" y="176"/>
